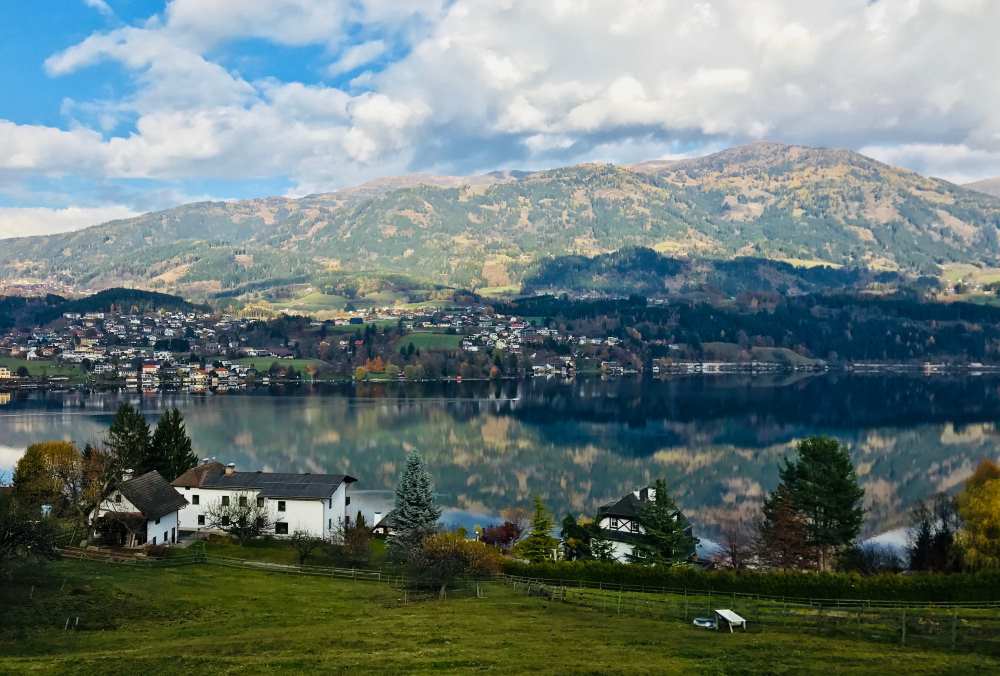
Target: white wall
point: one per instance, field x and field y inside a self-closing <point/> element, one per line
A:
<point x="161" y="531"/>
<point x="312" y="516"/>
<point x="621" y="550"/>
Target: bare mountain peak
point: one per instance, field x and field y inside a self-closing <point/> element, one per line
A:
<point x="990" y="186"/>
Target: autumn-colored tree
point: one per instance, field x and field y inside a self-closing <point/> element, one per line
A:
<point x="34" y="483"/>
<point x="783" y="534"/>
<point x="979" y="507"/>
<point x="443" y="557"/>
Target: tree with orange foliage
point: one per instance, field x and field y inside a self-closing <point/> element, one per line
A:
<point x="979" y="507"/>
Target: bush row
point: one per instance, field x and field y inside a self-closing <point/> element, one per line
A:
<point x="924" y="587"/>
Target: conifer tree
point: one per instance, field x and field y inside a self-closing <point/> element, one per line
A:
<point x="170" y="449"/>
<point x="666" y="537"/>
<point x="128" y="439"/>
<point x="415" y="515"/>
<point x="539" y="544"/>
<point x="824" y="488"/>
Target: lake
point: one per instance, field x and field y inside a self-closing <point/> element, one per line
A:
<point x="717" y="441"/>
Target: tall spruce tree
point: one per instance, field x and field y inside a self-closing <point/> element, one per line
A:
<point x="666" y="537"/>
<point x="539" y="544"/>
<point x="415" y="515"/>
<point x="823" y="487"/>
<point x="170" y="448"/>
<point x="128" y="439"/>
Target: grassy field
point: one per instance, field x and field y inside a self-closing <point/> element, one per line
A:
<point x="208" y="619"/>
<point x="431" y="341"/>
<point x="262" y="364"/>
<point x="40" y="367"/>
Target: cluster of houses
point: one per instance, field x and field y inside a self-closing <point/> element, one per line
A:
<point x="147" y="510"/>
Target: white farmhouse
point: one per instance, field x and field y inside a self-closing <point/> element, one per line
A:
<point x="141" y="511"/>
<point x="619" y="522"/>
<point x="315" y="503"/>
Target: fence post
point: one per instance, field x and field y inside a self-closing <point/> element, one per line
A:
<point x="619" y="600"/>
<point x="685" y="604"/>
<point x="954" y="629"/>
<point x="902" y="636"/>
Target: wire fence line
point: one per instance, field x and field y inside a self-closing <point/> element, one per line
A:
<point x="974" y="629"/>
<point x="798" y="600"/>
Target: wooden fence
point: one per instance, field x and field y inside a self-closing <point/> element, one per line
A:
<point x="969" y="627"/>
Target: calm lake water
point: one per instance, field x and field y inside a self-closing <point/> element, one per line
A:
<point x="717" y="441"/>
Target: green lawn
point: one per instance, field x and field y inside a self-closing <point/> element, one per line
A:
<point x="262" y="364"/>
<point x="431" y="341"/>
<point x="43" y="367"/>
<point x="209" y="619"/>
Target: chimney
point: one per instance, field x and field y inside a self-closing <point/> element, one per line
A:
<point x="230" y="468"/>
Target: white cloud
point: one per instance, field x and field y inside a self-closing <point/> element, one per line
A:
<point x="356" y="56"/>
<point x="101" y="6"/>
<point x="27" y="221"/>
<point x="482" y="84"/>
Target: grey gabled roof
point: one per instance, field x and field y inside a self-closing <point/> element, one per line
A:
<point x="152" y="495"/>
<point x="280" y="484"/>
<point x="628" y="508"/>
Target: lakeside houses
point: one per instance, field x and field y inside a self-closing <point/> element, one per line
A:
<point x="314" y="503"/>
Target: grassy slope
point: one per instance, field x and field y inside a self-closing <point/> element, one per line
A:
<point x="430" y="341"/>
<point x="264" y="363"/>
<point x="41" y="367"/>
<point x="202" y="619"/>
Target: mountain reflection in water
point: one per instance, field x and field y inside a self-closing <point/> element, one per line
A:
<point x="717" y="441"/>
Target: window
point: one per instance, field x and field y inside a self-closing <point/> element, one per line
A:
<point x="260" y="502"/>
<point x="243" y="501"/>
<point x="157" y="522"/>
<point x="281" y="508"/>
<point x="225" y="521"/>
<point x="201" y="519"/>
<point x="281" y="528"/>
<point x="347" y="500"/>
<point x="118" y="497"/>
<point x="194" y="500"/>
<point x="154" y="539"/>
<point x="225" y="500"/>
<point x="329" y="524"/>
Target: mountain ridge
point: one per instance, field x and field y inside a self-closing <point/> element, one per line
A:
<point x="764" y="200"/>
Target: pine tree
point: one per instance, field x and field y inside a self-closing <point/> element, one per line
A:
<point x="416" y="514"/>
<point x="823" y="487"/>
<point x="170" y="448"/>
<point x="601" y="548"/>
<point x="539" y="544"/>
<point x="666" y="537"/>
<point x="128" y="439"/>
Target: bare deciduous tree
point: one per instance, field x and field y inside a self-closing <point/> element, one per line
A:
<point x="243" y="515"/>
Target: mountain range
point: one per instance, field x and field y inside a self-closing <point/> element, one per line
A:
<point x="765" y="200"/>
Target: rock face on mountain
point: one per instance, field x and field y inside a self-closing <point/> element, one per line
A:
<point x="763" y="200"/>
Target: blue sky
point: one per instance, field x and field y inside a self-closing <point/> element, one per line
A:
<point x="116" y="107"/>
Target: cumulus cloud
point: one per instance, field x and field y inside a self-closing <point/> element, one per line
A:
<point x="477" y="84"/>
<point x="27" y="221"/>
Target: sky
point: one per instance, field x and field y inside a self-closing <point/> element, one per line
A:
<point x="110" y="108"/>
